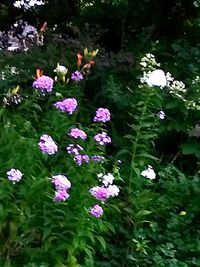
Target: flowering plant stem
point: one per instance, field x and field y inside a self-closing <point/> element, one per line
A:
<point x="137" y="138"/>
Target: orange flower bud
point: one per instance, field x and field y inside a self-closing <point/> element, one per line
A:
<point x="39" y="73"/>
<point x="88" y="65"/>
<point x="79" y="58"/>
<point x="44" y="27"/>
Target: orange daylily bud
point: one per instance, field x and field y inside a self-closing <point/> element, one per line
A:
<point x="91" y="62"/>
<point x="44" y="27"/>
<point x="39" y="73"/>
<point x="79" y="58"/>
<point x="88" y="65"/>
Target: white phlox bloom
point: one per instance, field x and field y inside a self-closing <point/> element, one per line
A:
<point x="149" y="173"/>
<point x="113" y="190"/>
<point x="156" y="78"/>
<point x="106" y="179"/>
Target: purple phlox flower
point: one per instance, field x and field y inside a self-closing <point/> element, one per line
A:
<point x="61" y="195"/>
<point x="74" y="149"/>
<point x="44" y="83"/>
<point x="14" y="175"/>
<point x="77" y="133"/>
<point x="161" y="115"/>
<point x="67" y="105"/>
<point x="47" y="145"/>
<point x="102" y="115"/>
<point x="96" y="211"/>
<point x="97" y="158"/>
<point x="60" y="182"/>
<point x="80" y="159"/>
<point x="77" y="76"/>
<point x="100" y="193"/>
<point x="102" y="138"/>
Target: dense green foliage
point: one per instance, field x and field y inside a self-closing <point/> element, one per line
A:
<point x="152" y="222"/>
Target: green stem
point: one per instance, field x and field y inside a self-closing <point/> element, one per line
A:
<point x="134" y="147"/>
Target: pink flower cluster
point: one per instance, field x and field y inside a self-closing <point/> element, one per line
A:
<point x="77" y="76"/>
<point x="67" y="105"/>
<point x="102" y="115"/>
<point x="96" y="211"/>
<point x="14" y="175"/>
<point x="44" y="83"/>
<point x="103" y="192"/>
<point x="77" y="133"/>
<point x="62" y="184"/>
<point x="47" y="145"/>
<point x="102" y="138"/>
<point x="79" y="158"/>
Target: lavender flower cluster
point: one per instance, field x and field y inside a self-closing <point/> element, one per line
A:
<point x="48" y="146"/>
<point x="103" y="192"/>
<point x="77" y="76"/>
<point x="76" y="150"/>
<point x="62" y="184"/>
<point x="67" y="105"/>
<point x="102" y="115"/>
<point x="102" y="138"/>
<point x="14" y="175"/>
<point x="77" y="133"/>
<point x="44" y="84"/>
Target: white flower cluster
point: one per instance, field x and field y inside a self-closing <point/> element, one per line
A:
<point x="149" y="173"/>
<point x="192" y="104"/>
<point x="149" y="62"/>
<point x="154" y="78"/>
<point x="177" y="88"/>
<point x="196" y="80"/>
<point x="9" y="71"/>
<point x="28" y="3"/>
<point x="107" y="181"/>
<point x="157" y="77"/>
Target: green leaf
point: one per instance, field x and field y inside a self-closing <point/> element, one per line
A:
<point x="191" y="148"/>
<point x="146" y="155"/>
<point x="172" y="104"/>
<point x="46" y="232"/>
<point x="102" y="241"/>
<point x="143" y="213"/>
